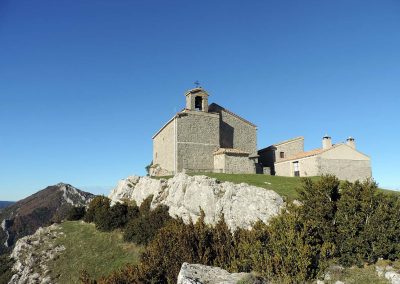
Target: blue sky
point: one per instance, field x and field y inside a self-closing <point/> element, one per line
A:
<point x="85" y="84"/>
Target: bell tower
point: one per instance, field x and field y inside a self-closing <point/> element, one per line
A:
<point x="197" y="99"/>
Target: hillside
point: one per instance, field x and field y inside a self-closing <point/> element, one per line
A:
<point x="40" y="209"/>
<point x="4" y="204"/>
<point x="98" y="253"/>
<point x="59" y="253"/>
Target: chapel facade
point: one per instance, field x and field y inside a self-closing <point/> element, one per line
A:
<point x="204" y="138"/>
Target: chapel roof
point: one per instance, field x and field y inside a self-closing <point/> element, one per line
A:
<point x="217" y="107"/>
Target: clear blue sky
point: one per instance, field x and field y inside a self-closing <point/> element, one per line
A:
<point x="85" y="84"/>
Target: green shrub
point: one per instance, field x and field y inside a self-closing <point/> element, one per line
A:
<point x="142" y="229"/>
<point x="76" y="213"/>
<point x="350" y="221"/>
<point x="99" y="203"/>
<point x="5" y="269"/>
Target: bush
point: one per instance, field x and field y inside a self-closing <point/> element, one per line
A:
<point x="98" y="204"/>
<point x="368" y="224"/>
<point x="352" y="222"/>
<point x="5" y="269"/>
<point x="76" y="213"/>
<point x="142" y="229"/>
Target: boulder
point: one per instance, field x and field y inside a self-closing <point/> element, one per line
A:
<point x="241" y="204"/>
<point x="202" y="274"/>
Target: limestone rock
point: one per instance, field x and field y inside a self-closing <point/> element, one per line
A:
<point x="31" y="254"/>
<point x="202" y="274"/>
<point x="393" y="277"/>
<point x="389" y="273"/>
<point x="241" y="204"/>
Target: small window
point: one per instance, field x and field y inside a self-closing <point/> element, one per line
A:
<point x="282" y="155"/>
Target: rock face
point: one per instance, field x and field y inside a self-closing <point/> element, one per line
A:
<point x="241" y="204"/>
<point x="201" y="274"/>
<point x="31" y="254"/>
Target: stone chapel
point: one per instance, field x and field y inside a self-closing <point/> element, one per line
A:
<point x="204" y="138"/>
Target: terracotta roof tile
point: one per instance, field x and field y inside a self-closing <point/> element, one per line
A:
<point x="308" y="154"/>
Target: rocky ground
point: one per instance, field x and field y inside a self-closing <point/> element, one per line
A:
<point x="32" y="253"/>
<point x="202" y="274"/>
<point x="241" y="204"/>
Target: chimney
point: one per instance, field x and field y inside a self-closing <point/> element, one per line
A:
<point x="326" y="142"/>
<point x="350" y="142"/>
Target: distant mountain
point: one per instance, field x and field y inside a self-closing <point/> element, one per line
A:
<point x="40" y="209"/>
<point x="4" y="204"/>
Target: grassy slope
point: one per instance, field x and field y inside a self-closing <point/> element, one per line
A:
<point x="87" y="249"/>
<point x="285" y="186"/>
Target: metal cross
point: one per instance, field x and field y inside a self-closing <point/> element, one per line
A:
<point x="197" y="83"/>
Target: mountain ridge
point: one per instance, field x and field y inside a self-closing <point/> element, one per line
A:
<point x="42" y="208"/>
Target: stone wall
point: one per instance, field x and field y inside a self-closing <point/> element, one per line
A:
<point x="197" y="140"/>
<point x="289" y="149"/>
<point x="164" y="149"/>
<point x="307" y="166"/>
<point x="233" y="164"/>
<point x="271" y="154"/>
<point x="235" y="132"/>
<point x="350" y="170"/>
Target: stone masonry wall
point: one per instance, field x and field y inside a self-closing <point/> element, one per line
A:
<point x="350" y="170"/>
<point x="290" y="148"/>
<point x="307" y="167"/>
<point x="163" y="148"/>
<point x="235" y="133"/>
<point x="239" y="165"/>
<point x="197" y="140"/>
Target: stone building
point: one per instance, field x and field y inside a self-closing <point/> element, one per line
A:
<point x="204" y="138"/>
<point x="342" y="160"/>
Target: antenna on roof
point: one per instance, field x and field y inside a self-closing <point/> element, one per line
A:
<point x="197" y="84"/>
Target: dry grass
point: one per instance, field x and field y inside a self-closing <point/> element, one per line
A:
<point x="99" y="253"/>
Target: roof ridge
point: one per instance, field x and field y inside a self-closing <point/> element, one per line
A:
<point x="234" y="114"/>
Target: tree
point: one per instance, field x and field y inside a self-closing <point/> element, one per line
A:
<point x="76" y="213"/>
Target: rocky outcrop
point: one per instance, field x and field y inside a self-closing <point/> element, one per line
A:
<point x="202" y="274"/>
<point x="241" y="204"/>
<point x="391" y="274"/>
<point x="31" y="255"/>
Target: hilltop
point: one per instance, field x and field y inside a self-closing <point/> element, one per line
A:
<point x="40" y="209"/>
<point x="60" y="253"/>
<point x="284" y="186"/>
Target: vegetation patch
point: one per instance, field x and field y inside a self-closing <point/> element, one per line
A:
<point x="87" y="249"/>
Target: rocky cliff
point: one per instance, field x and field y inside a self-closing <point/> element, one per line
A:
<point x="241" y="204"/>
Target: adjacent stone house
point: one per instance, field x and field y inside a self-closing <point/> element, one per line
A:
<point x="342" y="160"/>
<point x="204" y="138"/>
